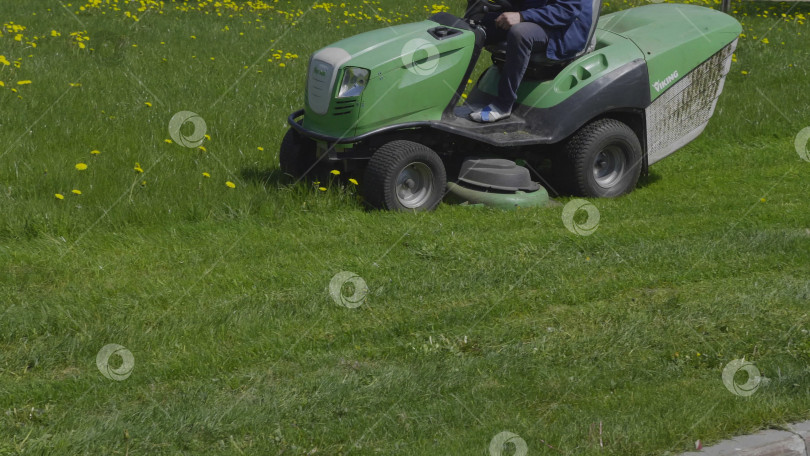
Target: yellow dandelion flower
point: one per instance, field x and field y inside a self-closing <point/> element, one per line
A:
<point x="76" y="192"/>
<point x="762" y="200"/>
<point x="2" y="84"/>
<point x="143" y="183"/>
<point x="260" y="148"/>
<point x="208" y="137"/>
<point x="25" y="82"/>
<point x="744" y="72"/>
<point x="4" y="61"/>
<point x="193" y="37"/>
<point x="323" y="189"/>
<point x="138" y="167"/>
<point x="59" y="196"/>
<point x="95" y="152"/>
<point x="282" y="65"/>
<point x="335" y="172"/>
<point x="206" y="175"/>
<point x="148" y="104"/>
<point x="765" y="41"/>
<point x="75" y="84"/>
<point x="55" y="33"/>
<point x="167" y="141"/>
<point x="81" y="166"/>
<point x="230" y="184"/>
<point x="353" y="181"/>
<point x="202" y="148"/>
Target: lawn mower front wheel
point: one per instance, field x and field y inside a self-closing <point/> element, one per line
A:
<point x="605" y="158"/>
<point x="296" y="155"/>
<point x="405" y="176"/>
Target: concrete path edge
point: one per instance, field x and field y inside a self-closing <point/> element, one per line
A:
<point x="793" y="442"/>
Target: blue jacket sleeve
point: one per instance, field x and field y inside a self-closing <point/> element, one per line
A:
<point x="556" y="14"/>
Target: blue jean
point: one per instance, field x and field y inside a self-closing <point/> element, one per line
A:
<point x="522" y="40"/>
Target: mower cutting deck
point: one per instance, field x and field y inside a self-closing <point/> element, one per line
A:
<point x="387" y="101"/>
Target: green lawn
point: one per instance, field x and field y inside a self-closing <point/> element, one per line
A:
<point x="477" y="321"/>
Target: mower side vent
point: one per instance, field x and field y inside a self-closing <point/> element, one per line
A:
<point x="344" y="107"/>
<point x="681" y="113"/>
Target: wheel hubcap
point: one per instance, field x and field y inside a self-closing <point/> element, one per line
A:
<point x="610" y="166"/>
<point x="414" y="185"/>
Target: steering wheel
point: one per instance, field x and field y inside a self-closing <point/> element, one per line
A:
<point x="476" y="9"/>
<point x="497" y="5"/>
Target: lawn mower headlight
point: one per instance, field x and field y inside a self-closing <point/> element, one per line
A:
<point x="354" y="81"/>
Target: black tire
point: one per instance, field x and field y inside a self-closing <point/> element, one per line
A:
<point x="604" y="159"/>
<point x="404" y="176"/>
<point x="296" y="155"/>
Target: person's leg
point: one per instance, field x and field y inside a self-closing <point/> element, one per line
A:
<point x="523" y="40"/>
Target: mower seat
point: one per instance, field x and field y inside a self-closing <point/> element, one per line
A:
<point x="539" y="63"/>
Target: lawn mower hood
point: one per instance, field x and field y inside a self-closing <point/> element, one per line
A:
<point x="393" y="75"/>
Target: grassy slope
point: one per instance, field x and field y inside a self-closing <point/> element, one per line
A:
<point x="480" y="321"/>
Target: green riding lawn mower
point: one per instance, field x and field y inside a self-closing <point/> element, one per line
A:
<point x="388" y="104"/>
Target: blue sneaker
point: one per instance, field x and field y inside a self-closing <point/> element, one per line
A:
<point x="489" y="114"/>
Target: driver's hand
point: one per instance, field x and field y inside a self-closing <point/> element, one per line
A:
<point x="507" y="20"/>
